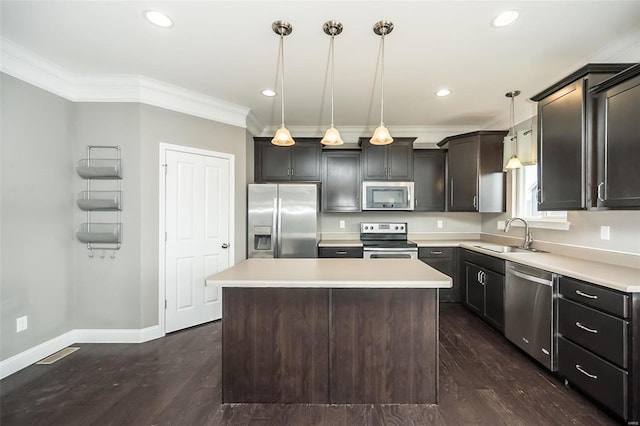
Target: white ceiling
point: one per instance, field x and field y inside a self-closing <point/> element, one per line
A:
<point x="227" y="50"/>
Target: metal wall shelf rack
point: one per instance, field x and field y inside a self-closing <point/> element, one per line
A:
<point x="101" y="235"/>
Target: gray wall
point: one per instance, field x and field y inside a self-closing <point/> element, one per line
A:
<point x="46" y="273"/>
<point x="107" y="290"/>
<point x="159" y="125"/>
<point x="36" y="213"/>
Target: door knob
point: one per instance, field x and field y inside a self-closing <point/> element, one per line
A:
<point x="225" y="245"/>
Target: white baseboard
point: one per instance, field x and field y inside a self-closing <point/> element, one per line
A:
<point x="35" y="354"/>
<point x="43" y="350"/>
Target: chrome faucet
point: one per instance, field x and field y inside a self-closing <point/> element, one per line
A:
<point x="528" y="238"/>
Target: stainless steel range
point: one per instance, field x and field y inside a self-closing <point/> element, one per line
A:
<point x="382" y="240"/>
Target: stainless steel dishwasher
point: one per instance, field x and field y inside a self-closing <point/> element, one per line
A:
<point x="529" y="311"/>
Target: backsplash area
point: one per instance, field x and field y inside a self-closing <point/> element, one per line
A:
<point x="461" y="225"/>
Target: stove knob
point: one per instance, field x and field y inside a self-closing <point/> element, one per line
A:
<point x="396" y="227"/>
<point x="401" y="226"/>
<point x="366" y="228"/>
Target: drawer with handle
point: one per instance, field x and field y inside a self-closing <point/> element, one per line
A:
<point x="601" y="380"/>
<point x="435" y="252"/>
<point x="595" y="296"/>
<point x="603" y="334"/>
<point x="350" y="252"/>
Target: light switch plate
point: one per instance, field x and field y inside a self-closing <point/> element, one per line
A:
<point x="605" y="233"/>
<point x="501" y="225"/>
<point x="439" y="224"/>
<point x="341" y="224"/>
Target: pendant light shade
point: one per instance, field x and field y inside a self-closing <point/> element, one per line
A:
<point x="381" y="135"/>
<point x="282" y="136"/>
<point x="514" y="162"/>
<point x="332" y="135"/>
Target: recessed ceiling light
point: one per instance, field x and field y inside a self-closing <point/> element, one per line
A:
<point x="158" y="18"/>
<point x="268" y="92"/>
<point x="443" y="92"/>
<point x="507" y="17"/>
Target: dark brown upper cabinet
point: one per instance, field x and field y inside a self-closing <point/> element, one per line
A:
<point x="476" y="179"/>
<point x="429" y="168"/>
<point x="387" y="162"/>
<point x="618" y="140"/>
<point x="341" y="181"/>
<point x="566" y="137"/>
<point x="297" y="163"/>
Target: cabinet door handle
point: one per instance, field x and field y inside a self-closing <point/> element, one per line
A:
<point x="588" y="296"/>
<point x="600" y="185"/>
<point x="288" y="171"/>
<point x="539" y="195"/>
<point x="580" y="369"/>
<point x="478" y="276"/>
<point x="451" y="193"/>
<point x="585" y="328"/>
<point x="475" y="201"/>
<point x="435" y="252"/>
<point x="341" y="252"/>
<point x="292" y="171"/>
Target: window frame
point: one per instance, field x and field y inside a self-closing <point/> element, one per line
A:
<point x="546" y="220"/>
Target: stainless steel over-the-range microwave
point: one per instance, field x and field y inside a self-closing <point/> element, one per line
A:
<point x="383" y="195"/>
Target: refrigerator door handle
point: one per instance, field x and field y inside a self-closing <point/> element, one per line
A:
<point x="279" y="229"/>
<point x="276" y="231"/>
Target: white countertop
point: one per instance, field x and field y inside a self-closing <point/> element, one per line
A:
<point x="340" y="243"/>
<point x="615" y="277"/>
<point x="331" y="273"/>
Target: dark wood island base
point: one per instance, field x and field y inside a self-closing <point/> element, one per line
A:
<point x="330" y="345"/>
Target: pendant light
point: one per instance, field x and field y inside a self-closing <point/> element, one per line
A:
<point x="514" y="162"/>
<point x="381" y="135"/>
<point x="282" y="136"/>
<point x="332" y="135"/>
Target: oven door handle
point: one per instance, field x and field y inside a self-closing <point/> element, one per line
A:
<point x="391" y="249"/>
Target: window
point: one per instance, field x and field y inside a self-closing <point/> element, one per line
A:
<point x="526" y="200"/>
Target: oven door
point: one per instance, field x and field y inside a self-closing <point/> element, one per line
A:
<point x="390" y="253"/>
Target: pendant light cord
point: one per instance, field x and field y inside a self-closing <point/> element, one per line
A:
<point x="513" y="125"/>
<point x="332" y="76"/>
<point x="382" y="82"/>
<point x="282" y="75"/>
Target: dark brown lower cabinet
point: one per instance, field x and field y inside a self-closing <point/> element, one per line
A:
<point x="322" y="346"/>
<point x="484" y="287"/>
<point x="599" y="345"/>
<point x="444" y="260"/>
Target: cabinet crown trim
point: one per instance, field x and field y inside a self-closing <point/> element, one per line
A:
<point x="445" y="141"/>
<point x="587" y="69"/>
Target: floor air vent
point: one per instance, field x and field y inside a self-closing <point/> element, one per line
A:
<point x="58" y="355"/>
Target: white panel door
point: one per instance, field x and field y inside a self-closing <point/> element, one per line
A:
<point x="197" y="205"/>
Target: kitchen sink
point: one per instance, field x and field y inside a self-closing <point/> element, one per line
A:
<point x="511" y="249"/>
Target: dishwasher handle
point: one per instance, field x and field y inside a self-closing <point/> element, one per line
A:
<point x="531" y="278"/>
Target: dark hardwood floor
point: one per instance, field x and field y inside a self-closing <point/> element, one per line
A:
<point x="484" y="380"/>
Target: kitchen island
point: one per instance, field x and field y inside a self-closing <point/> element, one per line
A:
<point x="330" y="331"/>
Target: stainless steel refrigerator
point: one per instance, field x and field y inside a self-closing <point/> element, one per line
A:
<point x="282" y="220"/>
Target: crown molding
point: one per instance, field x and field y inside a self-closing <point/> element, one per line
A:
<point x="425" y="135"/>
<point x="23" y="64"/>
<point x="254" y="126"/>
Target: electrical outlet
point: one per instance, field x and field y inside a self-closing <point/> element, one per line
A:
<point x="439" y="224"/>
<point x="341" y="224"/>
<point x="501" y="225"/>
<point x="21" y="324"/>
<point x="605" y="233"/>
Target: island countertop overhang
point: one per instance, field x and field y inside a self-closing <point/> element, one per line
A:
<point x="331" y="273"/>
